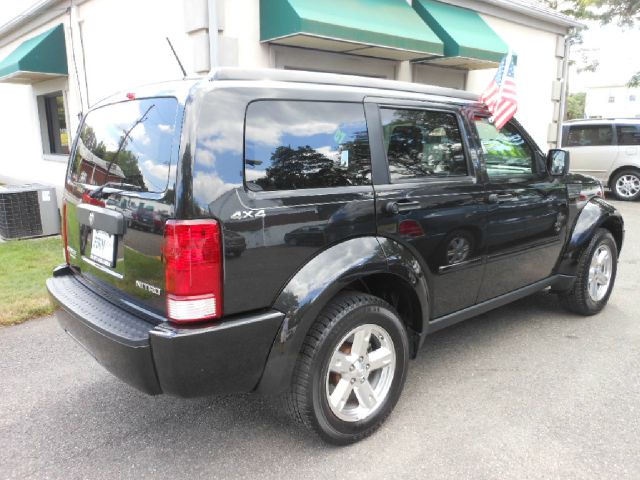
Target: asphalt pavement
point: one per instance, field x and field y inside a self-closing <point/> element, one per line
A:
<point x="527" y="391"/>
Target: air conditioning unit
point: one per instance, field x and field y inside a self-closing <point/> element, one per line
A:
<point x="28" y="211"/>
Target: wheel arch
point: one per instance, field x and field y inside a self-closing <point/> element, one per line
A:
<point x="594" y="215"/>
<point x="368" y="264"/>
<point x="619" y="170"/>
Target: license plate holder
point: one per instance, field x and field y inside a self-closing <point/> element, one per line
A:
<point x="103" y="248"/>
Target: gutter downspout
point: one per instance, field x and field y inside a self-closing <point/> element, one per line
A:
<point x="213" y="34"/>
<point x="564" y="89"/>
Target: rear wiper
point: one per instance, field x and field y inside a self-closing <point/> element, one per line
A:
<point x="110" y="188"/>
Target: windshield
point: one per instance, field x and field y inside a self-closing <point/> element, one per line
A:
<point x="126" y="145"/>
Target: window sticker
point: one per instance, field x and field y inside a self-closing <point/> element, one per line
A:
<point x="339" y="136"/>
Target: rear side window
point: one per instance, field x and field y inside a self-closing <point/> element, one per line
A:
<point x="298" y="144"/>
<point x="422" y="143"/>
<point x="126" y="145"/>
<point x="628" y="134"/>
<point x="590" y="136"/>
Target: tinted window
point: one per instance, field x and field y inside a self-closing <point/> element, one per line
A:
<point x="628" y="134"/>
<point x="296" y="144"/>
<point x="590" y="136"/>
<point x="127" y="145"/>
<point x="421" y="143"/>
<point x="506" y="152"/>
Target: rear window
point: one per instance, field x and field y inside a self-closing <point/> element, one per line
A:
<point x="590" y="136"/>
<point x="628" y="134"/>
<point x="299" y="144"/>
<point x="126" y="145"/>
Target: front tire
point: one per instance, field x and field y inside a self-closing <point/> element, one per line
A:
<point x="597" y="268"/>
<point x="351" y="370"/>
<point x="626" y="185"/>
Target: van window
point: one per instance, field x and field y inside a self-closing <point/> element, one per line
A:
<point x="422" y="143"/>
<point x="628" y="134"/>
<point x="590" y="136"/>
<point x="298" y="144"/>
<point x="506" y="151"/>
<point x="127" y="145"/>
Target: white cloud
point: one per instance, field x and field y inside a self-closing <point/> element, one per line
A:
<point x="209" y="186"/>
<point x="165" y="128"/>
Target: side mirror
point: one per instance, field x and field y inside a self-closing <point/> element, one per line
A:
<point x="558" y="162"/>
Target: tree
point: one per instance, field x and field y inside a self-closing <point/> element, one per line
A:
<point x="625" y="13"/>
<point x="575" y="105"/>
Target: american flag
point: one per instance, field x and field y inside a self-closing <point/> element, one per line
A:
<point x="500" y="96"/>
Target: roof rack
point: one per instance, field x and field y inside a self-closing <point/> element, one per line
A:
<point x="298" y="76"/>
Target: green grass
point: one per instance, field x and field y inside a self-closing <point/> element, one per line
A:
<point x="25" y="265"/>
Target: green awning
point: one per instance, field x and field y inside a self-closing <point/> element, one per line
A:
<point x="469" y="42"/>
<point x="374" y="28"/>
<point x="39" y="58"/>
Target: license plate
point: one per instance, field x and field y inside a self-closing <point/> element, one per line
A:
<point x="103" y="248"/>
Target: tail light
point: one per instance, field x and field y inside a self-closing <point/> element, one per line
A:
<point x="193" y="255"/>
<point x="65" y="238"/>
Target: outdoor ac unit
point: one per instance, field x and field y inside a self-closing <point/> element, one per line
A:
<point x="28" y="211"/>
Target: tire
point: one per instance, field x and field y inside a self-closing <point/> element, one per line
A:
<point x="583" y="298"/>
<point x="314" y="384"/>
<point x="626" y="185"/>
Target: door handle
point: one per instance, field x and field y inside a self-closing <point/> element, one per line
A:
<point x="393" y="208"/>
<point x="500" y="197"/>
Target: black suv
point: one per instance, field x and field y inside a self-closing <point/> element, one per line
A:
<point x="371" y="213"/>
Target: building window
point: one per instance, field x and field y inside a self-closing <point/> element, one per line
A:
<point x="632" y="98"/>
<point x="53" y="121"/>
<point x="612" y="99"/>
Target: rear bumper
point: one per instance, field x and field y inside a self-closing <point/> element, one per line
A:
<point x="225" y="357"/>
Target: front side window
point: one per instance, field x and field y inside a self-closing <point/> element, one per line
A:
<point x="422" y="143"/>
<point x="293" y="145"/>
<point x="127" y="145"/>
<point x="506" y="152"/>
<point x="628" y="134"/>
<point x="55" y="138"/>
<point x="590" y="136"/>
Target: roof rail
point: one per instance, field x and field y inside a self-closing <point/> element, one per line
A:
<point x="298" y="76"/>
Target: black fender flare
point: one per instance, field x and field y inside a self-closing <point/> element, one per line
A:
<point x="316" y="283"/>
<point x="594" y="215"/>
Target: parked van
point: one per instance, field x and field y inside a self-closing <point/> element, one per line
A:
<point x="315" y="228"/>
<point x="608" y="150"/>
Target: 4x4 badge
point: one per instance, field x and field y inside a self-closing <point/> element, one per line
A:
<point x="242" y="214"/>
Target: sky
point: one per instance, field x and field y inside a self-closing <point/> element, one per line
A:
<point x="615" y="48"/>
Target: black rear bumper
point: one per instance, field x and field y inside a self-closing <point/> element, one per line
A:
<point x="225" y="357"/>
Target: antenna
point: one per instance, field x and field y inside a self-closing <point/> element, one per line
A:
<point x="184" y="73"/>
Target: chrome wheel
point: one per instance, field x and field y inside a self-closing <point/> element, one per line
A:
<point x="458" y="250"/>
<point x="600" y="271"/>
<point x="628" y="185"/>
<point x="360" y="373"/>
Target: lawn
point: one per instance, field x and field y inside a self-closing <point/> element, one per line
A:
<point x="25" y="265"/>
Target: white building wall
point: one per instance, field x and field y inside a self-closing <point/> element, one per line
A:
<point x="625" y="104"/>
<point x="535" y="73"/>
<point x="125" y="45"/>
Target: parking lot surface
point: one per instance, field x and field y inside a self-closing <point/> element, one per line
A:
<point x="525" y="391"/>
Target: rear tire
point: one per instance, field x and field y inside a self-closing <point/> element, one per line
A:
<point x="351" y="369"/>
<point x="626" y="185"/>
<point x="596" y="275"/>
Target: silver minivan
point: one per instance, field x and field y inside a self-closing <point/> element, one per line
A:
<point x="608" y="149"/>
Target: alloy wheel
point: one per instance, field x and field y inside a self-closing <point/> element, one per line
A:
<point x="600" y="271"/>
<point x="360" y="373"/>
<point x="628" y="185"/>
